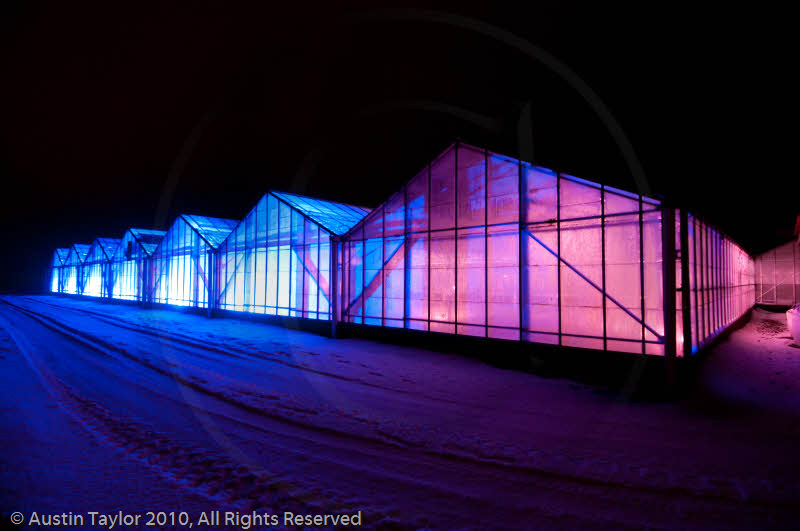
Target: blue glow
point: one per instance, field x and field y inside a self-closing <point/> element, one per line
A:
<point x="581" y="181"/>
<point x="337" y="218"/>
<point x="212" y="230"/>
<point x="96" y="267"/>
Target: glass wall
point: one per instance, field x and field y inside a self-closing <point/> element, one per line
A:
<point x="476" y="244"/>
<point x="276" y="262"/>
<point x="130" y="265"/>
<point x="721" y="280"/>
<point x="181" y="263"/>
<point x="57" y="270"/>
<point x="96" y="270"/>
<point x="778" y="275"/>
<point x="72" y="277"/>
<point x="485" y="245"/>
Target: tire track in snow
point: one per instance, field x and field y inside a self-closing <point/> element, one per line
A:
<point x="190" y="467"/>
<point x="214" y="476"/>
<point x="176" y="337"/>
<point x="582" y="485"/>
<point x="558" y="465"/>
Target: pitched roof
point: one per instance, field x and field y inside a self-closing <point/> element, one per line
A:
<point x="108" y="246"/>
<point x="81" y="250"/>
<point x="62" y="254"/>
<point x="337" y="218"/>
<point x="147" y="239"/>
<point x="212" y="230"/>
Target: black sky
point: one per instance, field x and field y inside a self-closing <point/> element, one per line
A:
<point x="104" y="105"/>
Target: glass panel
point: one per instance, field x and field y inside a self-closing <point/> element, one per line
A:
<point x="471" y="187"/>
<point x="503" y="190"/>
<point x="443" y="192"/>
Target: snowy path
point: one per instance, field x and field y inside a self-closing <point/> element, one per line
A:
<point x="238" y="415"/>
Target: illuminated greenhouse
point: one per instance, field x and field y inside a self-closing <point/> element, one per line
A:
<point x="57" y="269"/>
<point x="778" y="275"/>
<point x="72" y="278"/>
<point x="130" y="266"/>
<point x="182" y="263"/>
<point x="485" y="245"/>
<point x="96" y="268"/>
<point x="476" y="244"/>
<point x="278" y="259"/>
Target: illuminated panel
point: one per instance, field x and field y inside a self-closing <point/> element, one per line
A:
<point x="182" y="262"/>
<point x="277" y="260"/>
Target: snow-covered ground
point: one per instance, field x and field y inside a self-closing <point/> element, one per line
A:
<point x="110" y="407"/>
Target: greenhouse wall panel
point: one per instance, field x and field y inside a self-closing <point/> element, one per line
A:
<point x="130" y="264"/>
<point x="72" y="271"/>
<point x="778" y="275"/>
<point x="96" y="274"/>
<point x="277" y="260"/>
<point x="185" y="262"/>
<point x="57" y="270"/>
<point x="495" y="247"/>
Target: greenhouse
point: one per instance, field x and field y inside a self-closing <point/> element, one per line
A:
<point x="182" y="262"/>
<point x="277" y="261"/>
<point x="485" y="245"/>
<point x="476" y="244"/>
<point x="96" y="268"/>
<point x="129" y="265"/>
<point x="72" y="278"/>
<point x="778" y="275"/>
<point x="57" y="269"/>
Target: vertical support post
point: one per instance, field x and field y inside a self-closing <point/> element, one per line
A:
<point x="211" y="276"/>
<point x="603" y="261"/>
<point x="383" y="265"/>
<point x="774" y="276"/>
<point x="147" y="280"/>
<point x="694" y="272"/>
<point x="686" y="303"/>
<point x="104" y="270"/>
<point x="405" y="256"/>
<point x="266" y="255"/>
<point x="794" y="274"/>
<point x="428" y="226"/>
<point x="558" y="247"/>
<point x="109" y="279"/>
<point x="641" y="271"/>
<point x="363" y="271"/>
<point x="522" y="206"/>
<point x="455" y="236"/>
<point x="668" y="277"/>
<point x="485" y="242"/>
<point x="333" y="267"/>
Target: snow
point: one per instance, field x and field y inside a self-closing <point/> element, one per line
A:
<point x="227" y="414"/>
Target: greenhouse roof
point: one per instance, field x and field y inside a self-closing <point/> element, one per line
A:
<point x="212" y="230"/>
<point x="81" y="249"/>
<point x="337" y="218"/>
<point x="148" y="239"/>
<point x="108" y="246"/>
<point x="62" y="254"/>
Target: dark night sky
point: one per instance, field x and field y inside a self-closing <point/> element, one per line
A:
<point x="103" y="106"/>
